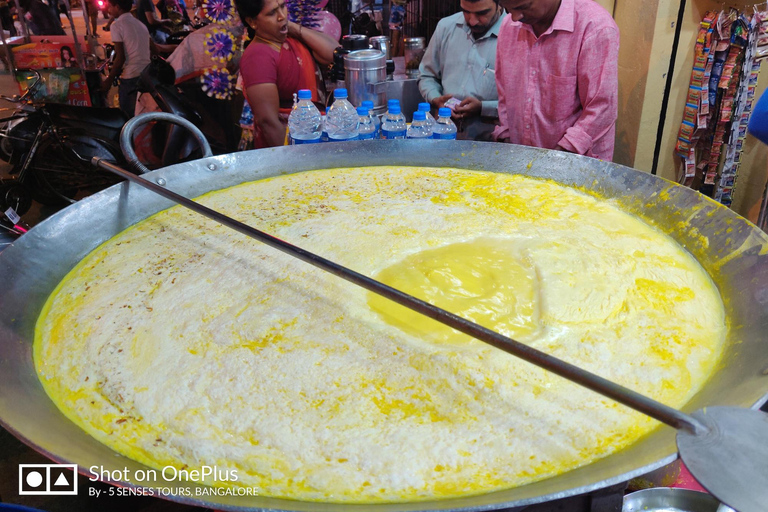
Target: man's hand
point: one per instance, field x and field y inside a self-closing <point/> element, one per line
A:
<point x="468" y="107"/>
<point x="106" y="85"/>
<point x="439" y="102"/>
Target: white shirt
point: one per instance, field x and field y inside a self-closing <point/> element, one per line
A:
<point x="135" y="38"/>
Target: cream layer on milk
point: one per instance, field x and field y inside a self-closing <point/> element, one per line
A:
<point x="180" y="342"/>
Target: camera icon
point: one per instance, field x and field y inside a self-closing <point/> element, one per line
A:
<point x="47" y="479"/>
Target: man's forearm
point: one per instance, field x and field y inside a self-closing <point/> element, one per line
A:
<point x="117" y="69"/>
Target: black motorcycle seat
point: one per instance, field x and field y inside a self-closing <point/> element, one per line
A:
<point x="75" y="115"/>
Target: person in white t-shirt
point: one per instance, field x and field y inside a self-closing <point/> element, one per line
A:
<point x="132" y="54"/>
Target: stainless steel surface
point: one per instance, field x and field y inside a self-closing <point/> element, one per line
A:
<point x="406" y="91"/>
<point x="662" y="477"/>
<point x="666" y="499"/>
<point x="126" y="136"/>
<point x="730" y="460"/>
<point x="414" y="48"/>
<point x="361" y="69"/>
<point x="381" y="43"/>
<point x="728" y="247"/>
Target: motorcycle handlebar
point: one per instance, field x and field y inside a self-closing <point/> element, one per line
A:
<point x="29" y="92"/>
<point x="126" y="136"/>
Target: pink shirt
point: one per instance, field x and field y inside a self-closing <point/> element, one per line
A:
<point x="560" y="88"/>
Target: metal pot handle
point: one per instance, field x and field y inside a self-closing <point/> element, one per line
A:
<point x="126" y="136"/>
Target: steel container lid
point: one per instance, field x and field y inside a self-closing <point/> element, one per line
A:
<point x="365" y="60"/>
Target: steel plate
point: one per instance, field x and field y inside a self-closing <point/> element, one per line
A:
<point x="731" y="249"/>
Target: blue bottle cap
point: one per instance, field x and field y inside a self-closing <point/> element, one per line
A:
<point x="394" y="109"/>
<point x="340" y="94"/>
<point x="424" y="107"/>
<point x="367" y="104"/>
<point x="305" y="94"/>
<point x="393" y="102"/>
<point x="362" y="111"/>
<point x="444" y="112"/>
<point x="419" y="115"/>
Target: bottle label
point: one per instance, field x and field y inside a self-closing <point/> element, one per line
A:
<point x="444" y="136"/>
<point x="294" y="142"/>
<point x="392" y="134"/>
<point x="366" y="136"/>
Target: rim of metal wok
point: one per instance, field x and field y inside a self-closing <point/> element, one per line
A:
<point x="732" y="250"/>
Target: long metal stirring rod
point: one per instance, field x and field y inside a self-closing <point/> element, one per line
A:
<point x="632" y="399"/>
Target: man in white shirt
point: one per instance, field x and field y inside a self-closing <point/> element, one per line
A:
<point x="459" y="63"/>
<point x="132" y="54"/>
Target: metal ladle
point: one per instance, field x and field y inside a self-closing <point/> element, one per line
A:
<point x="725" y="448"/>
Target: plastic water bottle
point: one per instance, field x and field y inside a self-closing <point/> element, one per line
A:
<point x="365" y="126"/>
<point x="424" y="107"/>
<point x="393" y="126"/>
<point x="444" y="127"/>
<point x="419" y="128"/>
<point x="304" y="123"/>
<point x="376" y="121"/>
<point x="390" y="104"/>
<point x="341" y="121"/>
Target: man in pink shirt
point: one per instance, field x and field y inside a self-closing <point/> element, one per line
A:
<point x="557" y="76"/>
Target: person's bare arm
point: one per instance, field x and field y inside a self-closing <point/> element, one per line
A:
<point x="154" y="20"/>
<point x="117" y="67"/>
<point x="319" y="44"/>
<point x="265" y="104"/>
<point x="161" y="49"/>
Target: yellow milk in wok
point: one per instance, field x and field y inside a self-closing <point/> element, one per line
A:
<point x="182" y="343"/>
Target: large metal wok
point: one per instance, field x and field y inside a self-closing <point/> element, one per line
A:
<point x="732" y="250"/>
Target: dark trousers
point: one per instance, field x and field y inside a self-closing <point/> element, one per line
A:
<point x="127" y="91"/>
<point x="7" y="20"/>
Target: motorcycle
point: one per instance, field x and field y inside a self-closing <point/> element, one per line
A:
<point x="49" y="145"/>
<point x="217" y="119"/>
<point x="47" y="141"/>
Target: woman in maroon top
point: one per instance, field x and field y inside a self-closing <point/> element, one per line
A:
<point x="277" y="63"/>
